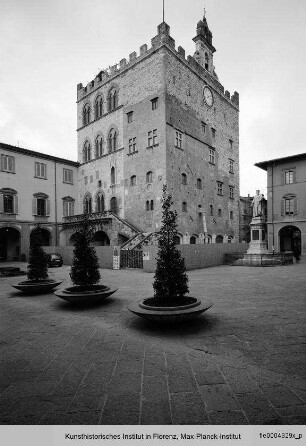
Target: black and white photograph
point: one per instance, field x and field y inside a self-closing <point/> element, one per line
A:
<point x="152" y="222"/>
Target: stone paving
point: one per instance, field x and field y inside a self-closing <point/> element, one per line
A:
<point x="241" y="362"/>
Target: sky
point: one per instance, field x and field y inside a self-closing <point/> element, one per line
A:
<point x="47" y="47"/>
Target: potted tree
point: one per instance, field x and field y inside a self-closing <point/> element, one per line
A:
<point x="171" y="301"/>
<point x="38" y="279"/>
<point x="85" y="274"/>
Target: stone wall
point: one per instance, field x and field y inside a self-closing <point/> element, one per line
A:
<point x="197" y="256"/>
<point x="104" y="253"/>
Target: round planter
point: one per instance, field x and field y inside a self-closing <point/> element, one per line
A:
<point x="169" y="314"/>
<point x="81" y="296"/>
<point x="40" y="287"/>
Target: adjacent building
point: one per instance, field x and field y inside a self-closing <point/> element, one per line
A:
<point x="286" y="194"/>
<point x="34" y="188"/>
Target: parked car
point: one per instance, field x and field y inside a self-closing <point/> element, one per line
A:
<point x="54" y="259"/>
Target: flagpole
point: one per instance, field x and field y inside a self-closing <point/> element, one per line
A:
<point x="163" y="10"/>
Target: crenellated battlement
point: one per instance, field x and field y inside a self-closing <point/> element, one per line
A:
<point x="162" y="38"/>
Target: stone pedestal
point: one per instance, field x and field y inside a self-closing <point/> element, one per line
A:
<point x="258" y="244"/>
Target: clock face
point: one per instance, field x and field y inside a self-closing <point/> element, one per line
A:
<point x="208" y="96"/>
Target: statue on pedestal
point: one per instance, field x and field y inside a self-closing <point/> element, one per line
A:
<point x="259" y="205"/>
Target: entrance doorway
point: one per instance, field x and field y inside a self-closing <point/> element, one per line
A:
<point x="290" y="239"/>
<point x="9" y="244"/>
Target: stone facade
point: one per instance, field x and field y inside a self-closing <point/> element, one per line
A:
<point x="286" y="198"/>
<point x="174" y="124"/>
<point x="245" y="218"/>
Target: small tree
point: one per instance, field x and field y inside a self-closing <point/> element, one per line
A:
<point x="38" y="263"/>
<point x="170" y="280"/>
<point x="85" y="266"/>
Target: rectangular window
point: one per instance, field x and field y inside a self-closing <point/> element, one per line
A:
<point x="154" y="103"/>
<point x="8" y="204"/>
<point x="132" y="145"/>
<point x="41" y="207"/>
<point x="67" y="176"/>
<point x="40" y="170"/>
<point x="231" y="191"/>
<point x="178" y="140"/>
<point x="152" y="138"/>
<point x="289" y="178"/>
<point x="68" y="208"/>
<point x="231" y="144"/>
<point x="212" y="156"/>
<point x="219" y="188"/>
<point x="8" y="163"/>
<point x="130" y="117"/>
<point x="231" y="166"/>
<point x="213" y="133"/>
<point x="203" y="128"/>
<point x="289" y="206"/>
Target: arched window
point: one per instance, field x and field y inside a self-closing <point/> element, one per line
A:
<point x="193" y="240"/>
<point x="184" y="206"/>
<point x="230" y="239"/>
<point x="98" y="107"/>
<point x="112" y="141"/>
<point x="199" y="183"/>
<point x="150" y="205"/>
<point x="231" y="215"/>
<point x="133" y="180"/>
<point x="100" y="205"/>
<point x="99" y="146"/>
<point x="112" y="99"/>
<point x="219" y="239"/>
<point x="114" y="205"/>
<point x="113" y="175"/>
<point x="177" y="240"/>
<point x="206" y="61"/>
<point x="86" y="114"/>
<point x="87" y="203"/>
<point x="184" y="179"/>
<point x="86" y="152"/>
<point x="211" y="210"/>
<point x="149" y="177"/>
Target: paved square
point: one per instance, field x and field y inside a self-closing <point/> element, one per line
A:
<point x="241" y="362"/>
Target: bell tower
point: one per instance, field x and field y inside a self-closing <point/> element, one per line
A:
<point x="204" y="47"/>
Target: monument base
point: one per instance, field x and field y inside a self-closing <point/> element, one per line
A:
<point x="265" y="259"/>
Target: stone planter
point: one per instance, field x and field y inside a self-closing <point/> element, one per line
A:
<point x="169" y="314"/>
<point x="79" y="295"/>
<point x="40" y="287"/>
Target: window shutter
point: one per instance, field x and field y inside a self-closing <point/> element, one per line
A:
<point x="294" y="175"/>
<point x="295" y="209"/>
<point x="65" y="208"/>
<point x="47" y="207"/>
<point x="34" y="206"/>
<point x="282" y="207"/>
<point x="282" y="178"/>
<point x="13" y="164"/>
<point x="15" y="204"/>
<point x="1" y="202"/>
